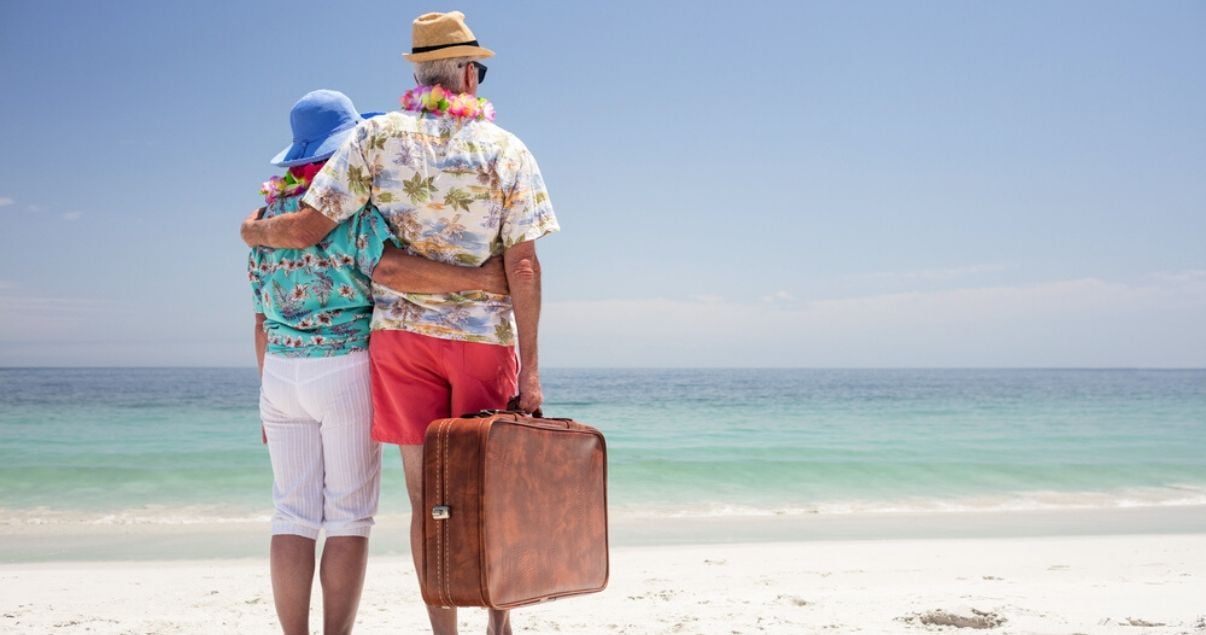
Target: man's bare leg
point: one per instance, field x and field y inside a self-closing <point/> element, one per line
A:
<point x="443" y="621"/>
<point x="342" y="575"/>
<point x="292" y="564"/>
<point x="500" y="623"/>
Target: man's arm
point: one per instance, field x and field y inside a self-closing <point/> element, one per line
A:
<point x="414" y="274"/>
<point x="523" y="276"/>
<point x="301" y="229"/>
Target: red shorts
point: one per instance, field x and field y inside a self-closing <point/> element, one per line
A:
<point x="418" y="379"/>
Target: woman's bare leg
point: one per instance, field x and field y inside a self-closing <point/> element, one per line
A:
<point x="342" y="575"/>
<point x="292" y="565"/>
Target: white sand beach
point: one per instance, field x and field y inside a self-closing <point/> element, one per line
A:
<point x="1124" y="584"/>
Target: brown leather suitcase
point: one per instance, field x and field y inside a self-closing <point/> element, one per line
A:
<point x="515" y="510"/>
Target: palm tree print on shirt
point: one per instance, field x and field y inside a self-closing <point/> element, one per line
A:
<point x="458" y="199"/>
<point x="419" y="189"/>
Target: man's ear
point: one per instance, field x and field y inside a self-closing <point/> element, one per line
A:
<point x="416" y="78"/>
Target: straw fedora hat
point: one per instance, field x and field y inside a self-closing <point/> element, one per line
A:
<point x="437" y="36"/>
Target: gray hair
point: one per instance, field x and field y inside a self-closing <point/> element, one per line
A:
<point x="446" y="72"/>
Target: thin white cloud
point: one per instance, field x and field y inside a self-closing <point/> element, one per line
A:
<point x="1188" y="275"/>
<point x="6" y="201"/>
<point x="42" y="318"/>
<point x="42" y="304"/>
<point x="778" y="297"/>
<point x="943" y="274"/>
<point x="34" y="208"/>
<point x="73" y="216"/>
<point x="1087" y="322"/>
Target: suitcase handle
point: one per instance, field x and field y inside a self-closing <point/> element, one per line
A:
<point x="481" y="414"/>
<point x="513" y="406"/>
<point x="536" y="418"/>
<point x="511" y="409"/>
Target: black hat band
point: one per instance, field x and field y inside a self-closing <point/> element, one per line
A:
<point x="425" y="49"/>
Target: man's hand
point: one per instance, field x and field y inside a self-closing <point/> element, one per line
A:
<point x="255" y="215"/>
<point x="494" y="276"/>
<point x="530" y="396"/>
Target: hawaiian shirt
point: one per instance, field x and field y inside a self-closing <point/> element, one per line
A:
<point x="453" y="191"/>
<point x="317" y="300"/>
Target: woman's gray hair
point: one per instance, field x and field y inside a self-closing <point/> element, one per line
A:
<point x="448" y="72"/>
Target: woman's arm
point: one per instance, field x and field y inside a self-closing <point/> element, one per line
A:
<point x="261" y="345"/>
<point x="261" y="341"/>
<point x="401" y="271"/>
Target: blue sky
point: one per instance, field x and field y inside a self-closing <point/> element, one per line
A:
<point x="780" y="184"/>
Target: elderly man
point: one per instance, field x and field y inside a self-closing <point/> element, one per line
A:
<point x="456" y="189"/>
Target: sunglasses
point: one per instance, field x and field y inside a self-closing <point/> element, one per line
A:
<point x="481" y="71"/>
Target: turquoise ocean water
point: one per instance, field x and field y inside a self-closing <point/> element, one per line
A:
<point x="181" y="446"/>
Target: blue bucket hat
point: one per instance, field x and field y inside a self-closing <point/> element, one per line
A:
<point x="321" y="121"/>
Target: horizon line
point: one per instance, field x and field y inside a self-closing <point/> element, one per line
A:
<point x="1064" y="368"/>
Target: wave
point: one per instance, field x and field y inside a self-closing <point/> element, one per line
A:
<point x="1178" y="495"/>
<point x="146" y="515"/>
<point x="1037" y="500"/>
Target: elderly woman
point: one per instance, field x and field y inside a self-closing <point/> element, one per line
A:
<point x="313" y="306"/>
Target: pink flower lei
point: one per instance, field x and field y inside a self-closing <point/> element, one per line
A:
<point x="441" y="101"/>
<point x="296" y="181"/>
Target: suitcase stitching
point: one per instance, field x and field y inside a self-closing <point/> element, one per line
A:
<point x="447" y="585"/>
<point x="435" y="577"/>
<point x="439" y="499"/>
<point x="483" y="431"/>
<point x="439" y="533"/>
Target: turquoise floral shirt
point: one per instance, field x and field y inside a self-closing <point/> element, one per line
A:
<point x="317" y="301"/>
<point x="453" y="191"/>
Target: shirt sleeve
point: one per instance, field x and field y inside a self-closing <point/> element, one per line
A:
<point x="527" y="212"/>
<point x="372" y="233"/>
<point x="257" y="281"/>
<point x="345" y="183"/>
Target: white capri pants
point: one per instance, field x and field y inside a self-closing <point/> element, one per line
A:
<point x="317" y="413"/>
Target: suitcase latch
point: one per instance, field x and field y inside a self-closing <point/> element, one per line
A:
<point x="441" y="512"/>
